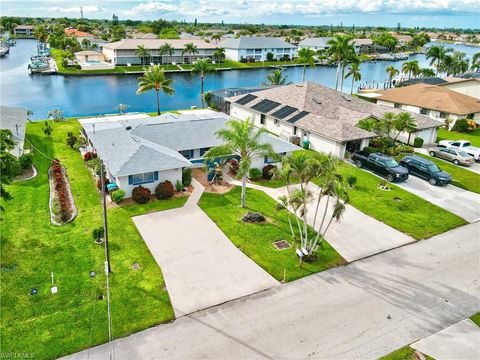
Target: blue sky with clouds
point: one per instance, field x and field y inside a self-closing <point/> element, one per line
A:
<point x="439" y="13"/>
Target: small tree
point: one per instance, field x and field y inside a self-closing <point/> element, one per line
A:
<point x="122" y="108"/>
<point x="56" y="115"/>
<point x="269" y="56"/>
<point x="47" y="129"/>
<point x="71" y="139"/>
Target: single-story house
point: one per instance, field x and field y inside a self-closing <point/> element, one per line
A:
<point x="15" y="120"/>
<point x="325" y="118"/>
<point x="24" y="31"/>
<point x="124" y="52"/>
<point x="470" y="87"/>
<point x="252" y="48"/>
<point x="321" y="43"/>
<point x="436" y="101"/>
<point x="146" y="151"/>
<point x="218" y="96"/>
<point x="81" y="35"/>
<point x="92" y="60"/>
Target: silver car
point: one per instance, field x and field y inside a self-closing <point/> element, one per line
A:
<point x="457" y="156"/>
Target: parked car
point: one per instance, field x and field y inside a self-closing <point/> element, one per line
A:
<point x="426" y="169"/>
<point x="463" y="145"/>
<point x="381" y="164"/>
<point x="456" y="156"/>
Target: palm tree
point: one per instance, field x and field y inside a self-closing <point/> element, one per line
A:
<point x="202" y="67"/>
<point x="392" y="72"/>
<point x="190" y="49"/>
<point x="142" y="53"/>
<point x="354" y="72"/>
<point x="166" y="49"/>
<point x="41" y="34"/>
<point x="154" y="79"/>
<point x="244" y="140"/>
<point x="219" y="54"/>
<point x="410" y="68"/>
<point x="276" y="78"/>
<point x="216" y="37"/>
<point x="369" y="124"/>
<point x="341" y="49"/>
<point x="437" y="55"/>
<point x="387" y="122"/>
<point x="306" y="56"/>
<point x="459" y="63"/>
<point x="404" y="122"/>
<point x="475" y="66"/>
<point x="427" y="72"/>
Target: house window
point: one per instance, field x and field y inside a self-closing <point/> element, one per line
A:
<point x="268" y="160"/>
<point x="276" y="123"/>
<point x="187" y="154"/>
<point x="144" y="178"/>
<point x="397" y="106"/>
<point x="424" y="111"/>
<point x="204" y="150"/>
<point x="444" y="115"/>
<point x="262" y="119"/>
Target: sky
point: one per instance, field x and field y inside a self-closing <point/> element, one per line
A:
<point x="410" y="13"/>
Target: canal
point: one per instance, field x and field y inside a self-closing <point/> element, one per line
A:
<point x="92" y="95"/>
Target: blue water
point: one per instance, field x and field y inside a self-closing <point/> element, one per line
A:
<point x="92" y="95"/>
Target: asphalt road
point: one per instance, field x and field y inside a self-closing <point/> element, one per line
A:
<point x="360" y="311"/>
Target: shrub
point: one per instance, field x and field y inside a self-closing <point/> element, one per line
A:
<point x="178" y="186"/>
<point x="267" y="171"/>
<point x="233" y="165"/>
<point x="351" y="180"/>
<point x="164" y="190"/>
<point x="26" y="161"/>
<point x="187" y="177"/>
<point x="141" y="195"/>
<point x="403" y="148"/>
<point x="117" y="195"/>
<point x="472" y="125"/>
<point x="71" y="139"/>
<point x="97" y="233"/>
<point x="418" y="142"/>
<point x="370" y="149"/>
<point x="254" y="173"/>
<point x="89" y="155"/>
<point x="64" y="62"/>
<point x="94" y="164"/>
<point x="382" y="143"/>
<point x="461" y="125"/>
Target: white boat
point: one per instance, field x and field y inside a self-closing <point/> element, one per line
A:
<point x="4" y="51"/>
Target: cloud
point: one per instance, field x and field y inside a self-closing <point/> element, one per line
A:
<point x="154" y="6"/>
<point x="74" y="9"/>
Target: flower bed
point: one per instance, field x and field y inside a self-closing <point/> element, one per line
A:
<point x="62" y="205"/>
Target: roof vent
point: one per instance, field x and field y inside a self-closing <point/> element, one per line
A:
<point x="346" y="97"/>
<point x="317" y="101"/>
<point x="128" y="128"/>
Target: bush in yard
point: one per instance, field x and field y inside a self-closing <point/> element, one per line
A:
<point x="461" y="125"/>
<point x="71" y="139"/>
<point x="26" y="161"/>
<point x="382" y="143"/>
<point x="165" y="190"/>
<point x="351" y="180"/>
<point x="117" y="195"/>
<point x="187" y="176"/>
<point x="95" y="165"/>
<point x="370" y="149"/>
<point x="418" y="142"/>
<point x="97" y="233"/>
<point x="89" y="156"/>
<point x="254" y="173"/>
<point x="403" y="148"/>
<point x="267" y="171"/>
<point x="233" y="165"/>
<point x="141" y="195"/>
<point x="178" y="186"/>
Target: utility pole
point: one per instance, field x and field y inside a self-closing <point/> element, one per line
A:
<point x="81" y="12"/>
<point x="104" y="208"/>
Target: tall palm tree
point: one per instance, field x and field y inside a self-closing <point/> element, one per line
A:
<point x="387" y="122"/>
<point x="341" y="49"/>
<point x="41" y="34"/>
<point x="437" y="54"/>
<point x="216" y="37"/>
<point x="244" y="140"/>
<point x="411" y="68"/>
<point x="154" y="79"/>
<point x="219" y="54"/>
<point x="391" y="72"/>
<point x="202" y="67"/>
<point x="306" y="56"/>
<point x="459" y="63"/>
<point x="354" y="72"/>
<point x="475" y="66"/>
<point x="427" y="72"/>
<point x="166" y="49"/>
<point x="369" y="124"/>
<point x="405" y="122"/>
<point x="142" y="53"/>
<point x="276" y="78"/>
<point x="190" y="49"/>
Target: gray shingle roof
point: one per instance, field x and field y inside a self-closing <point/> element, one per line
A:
<point x="332" y="114"/>
<point x="315" y="42"/>
<point x="253" y="42"/>
<point x="13" y="119"/>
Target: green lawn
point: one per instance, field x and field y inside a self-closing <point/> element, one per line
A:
<point x="473" y="137"/>
<point x="462" y="177"/>
<point x="404" y="353"/>
<point x="255" y="240"/>
<point x="476" y="318"/>
<point x="412" y="215"/>
<point x="49" y="326"/>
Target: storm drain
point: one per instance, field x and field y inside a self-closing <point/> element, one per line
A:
<point x="281" y="244"/>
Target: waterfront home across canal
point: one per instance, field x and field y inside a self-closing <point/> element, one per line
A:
<point x="252" y="48"/>
<point x="324" y="118"/>
<point x="143" y="150"/>
<point x="124" y="52"/>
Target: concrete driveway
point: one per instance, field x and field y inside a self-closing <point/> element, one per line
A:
<point x="201" y="266"/>
<point x="473" y="168"/>
<point x="463" y="203"/>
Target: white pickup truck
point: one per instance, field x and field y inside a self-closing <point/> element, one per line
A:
<point x="463" y="145"/>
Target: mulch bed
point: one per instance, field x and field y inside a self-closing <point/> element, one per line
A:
<point x="27" y="174"/>
<point x="201" y="177"/>
<point x="60" y="196"/>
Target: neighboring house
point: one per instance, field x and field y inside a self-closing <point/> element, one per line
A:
<point x="123" y="52"/>
<point x="81" y="35"/>
<point x="324" y="118"/>
<point x="15" y="120"/>
<point x="470" y="87"/>
<point x="218" y="96"/>
<point x="321" y="43"/>
<point x="251" y="48"/>
<point x="24" y="31"/>
<point x="436" y="101"/>
<point x="146" y="151"/>
<point x="92" y="60"/>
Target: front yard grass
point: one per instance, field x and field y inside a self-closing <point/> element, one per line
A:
<point x="255" y="240"/>
<point x="50" y="326"/>
<point x="404" y="353"/>
<point x="473" y="137"/>
<point x="411" y="215"/>
<point x="476" y="319"/>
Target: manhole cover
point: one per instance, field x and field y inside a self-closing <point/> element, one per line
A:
<point x="281" y="244"/>
<point x="397" y="199"/>
<point x="135" y="266"/>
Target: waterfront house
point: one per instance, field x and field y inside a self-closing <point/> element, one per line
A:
<point x="123" y="52"/>
<point x="15" y="120"/>
<point x="24" y="31"/>
<point x="321" y="117"/>
<point x="321" y="43"/>
<point x="436" y="101"/>
<point x="82" y="35"/>
<point x="470" y="87"/>
<point x="92" y="60"/>
<point x="252" y="48"/>
<point x="146" y="150"/>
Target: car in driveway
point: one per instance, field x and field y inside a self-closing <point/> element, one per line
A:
<point x="426" y="169"/>
<point x="381" y="164"/>
<point x="462" y="145"/>
<point x="457" y="156"/>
